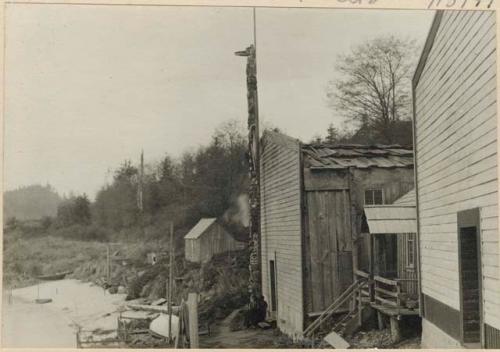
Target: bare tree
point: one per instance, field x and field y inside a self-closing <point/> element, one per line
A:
<point x="374" y="87"/>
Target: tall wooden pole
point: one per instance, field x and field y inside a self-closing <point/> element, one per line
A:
<point x="140" y="194"/>
<point x="108" y="266"/>
<point x="254" y="168"/>
<point x="170" y="279"/>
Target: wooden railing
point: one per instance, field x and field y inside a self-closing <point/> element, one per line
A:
<point x="366" y="289"/>
<point x="342" y="299"/>
<point x="383" y="291"/>
<point x="389" y="291"/>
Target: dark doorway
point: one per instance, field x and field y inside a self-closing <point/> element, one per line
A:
<point x="272" y="271"/>
<point x="470" y="275"/>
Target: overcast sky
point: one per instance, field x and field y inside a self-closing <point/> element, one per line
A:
<point x="89" y="86"/>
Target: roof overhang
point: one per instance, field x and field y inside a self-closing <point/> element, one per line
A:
<point x="391" y="219"/>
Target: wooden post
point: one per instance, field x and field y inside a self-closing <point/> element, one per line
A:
<point x="108" y="266"/>
<point x="170" y="280"/>
<point x="360" y="307"/>
<point x="193" y="320"/>
<point x="372" y="268"/>
<point x="380" y="320"/>
<point x="395" y="331"/>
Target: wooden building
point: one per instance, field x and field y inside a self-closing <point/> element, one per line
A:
<point x="312" y="199"/>
<point x="455" y="131"/>
<point x="390" y="230"/>
<point x="207" y="238"/>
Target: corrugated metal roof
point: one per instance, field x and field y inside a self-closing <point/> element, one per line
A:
<point x="391" y="219"/>
<point x="407" y="199"/>
<point x="322" y="156"/>
<point x="199" y="228"/>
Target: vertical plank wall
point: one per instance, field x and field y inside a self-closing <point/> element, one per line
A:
<point x="456" y="151"/>
<point x="330" y="247"/>
<point x="281" y="228"/>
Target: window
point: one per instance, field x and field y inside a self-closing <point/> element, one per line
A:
<point x="374" y="197"/>
<point x="410" y="251"/>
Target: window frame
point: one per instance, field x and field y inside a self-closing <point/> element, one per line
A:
<point x="373" y="190"/>
<point x="410" y="243"/>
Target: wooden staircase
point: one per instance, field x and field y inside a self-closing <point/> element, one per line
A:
<point x="352" y="293"/>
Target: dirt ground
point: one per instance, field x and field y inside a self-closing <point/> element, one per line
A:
<point x="221" y="336"/>
<point x="382" y="339"/>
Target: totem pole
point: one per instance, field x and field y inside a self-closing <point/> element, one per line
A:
<point x="254" y="286"/>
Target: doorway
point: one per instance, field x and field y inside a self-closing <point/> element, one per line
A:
<point x="469" y="258"/>
<point x="272" y="272"/>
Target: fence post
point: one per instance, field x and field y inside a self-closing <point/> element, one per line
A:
<point x="193" y="320"/>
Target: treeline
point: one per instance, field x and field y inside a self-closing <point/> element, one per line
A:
<point x="30" y="202"/>
<point x="202" y="183"/>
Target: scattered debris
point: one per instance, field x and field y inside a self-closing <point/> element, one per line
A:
<point x="263" y="325"/>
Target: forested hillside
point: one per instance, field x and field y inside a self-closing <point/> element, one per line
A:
<point x="31" y="202"/>
<point x="205" y="182"/>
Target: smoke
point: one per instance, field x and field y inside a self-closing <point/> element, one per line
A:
<point x="239" y="212"/>
<point x="243" y="209"/>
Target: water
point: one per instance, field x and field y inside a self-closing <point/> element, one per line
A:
<point x="74" y="304"/>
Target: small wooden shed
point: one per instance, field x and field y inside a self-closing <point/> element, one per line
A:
<point x="207" y="238"/>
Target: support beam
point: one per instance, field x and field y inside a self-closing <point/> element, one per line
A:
<point x="395" y="330"/>
<point x="193" y="320"/>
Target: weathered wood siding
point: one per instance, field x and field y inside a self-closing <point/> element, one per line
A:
<point x="334" y="200"/>
<point x="214" y="240"/>
<point x="192" y="250"/>
<point x="281" y="228"/>
<point x="328" y="247"/>
<point x="456" y="153"/>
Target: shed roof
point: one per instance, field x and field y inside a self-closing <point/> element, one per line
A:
<point x="400" y="217"/>
<point x="199" y="228"/>
<point x="407" y="199"/>
<point x="323" y="156"/>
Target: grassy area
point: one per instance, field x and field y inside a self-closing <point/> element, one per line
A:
<point x="24" y="258"/>
<point x="221" y="283"/>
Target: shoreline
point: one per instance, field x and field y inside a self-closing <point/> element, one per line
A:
<point x="74" y="304"/>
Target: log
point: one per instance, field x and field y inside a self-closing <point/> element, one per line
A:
<point x="157" y="309"/>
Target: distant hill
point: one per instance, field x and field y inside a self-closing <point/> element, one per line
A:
<point x="31" y="202"/>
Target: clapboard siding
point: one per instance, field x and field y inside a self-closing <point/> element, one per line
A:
<point x="456" y="151"/>
<point x="281" y="228"/>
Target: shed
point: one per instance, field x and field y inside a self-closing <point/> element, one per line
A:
<point x="207" y="238"/>
<point x="456" y="147"/>
<point x="312" y="200"/>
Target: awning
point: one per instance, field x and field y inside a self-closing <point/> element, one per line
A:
<point x="391" y="219"/>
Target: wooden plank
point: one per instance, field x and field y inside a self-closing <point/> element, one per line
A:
<point x="313" y="217"/>
<point x="386" y="292"/>
<point x="380" y="299"/>
<point x="336" y="341"/>
<point x="330" y="278"/>
<point x="327" y="180"/>
<point x="362" y="274"/>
